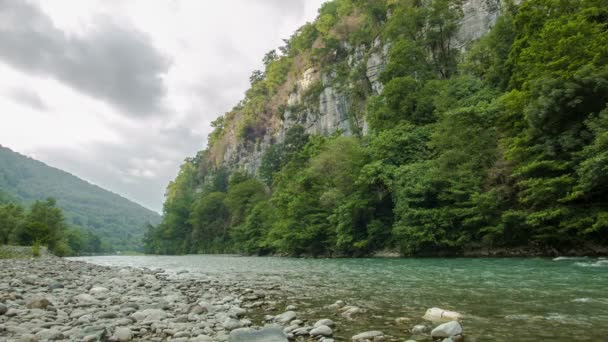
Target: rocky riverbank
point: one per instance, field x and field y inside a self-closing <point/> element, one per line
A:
<point x="57" y="299"/>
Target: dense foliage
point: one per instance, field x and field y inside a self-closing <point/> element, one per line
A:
<point x="119" y="222"/>
<point x="44" y="224"/>
<point x="505" y="145"/>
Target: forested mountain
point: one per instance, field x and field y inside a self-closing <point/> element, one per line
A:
<point x="116" y="220"/>
<point x="424" y="126"/>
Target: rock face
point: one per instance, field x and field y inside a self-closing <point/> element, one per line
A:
<point x="479" y="17"/>
<point x="333" y="112"/>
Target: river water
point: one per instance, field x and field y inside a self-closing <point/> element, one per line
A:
<point x="527" y="299"/>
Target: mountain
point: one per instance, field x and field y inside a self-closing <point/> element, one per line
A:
<point x="423" y="127"/>
<point x="114" y="218"/>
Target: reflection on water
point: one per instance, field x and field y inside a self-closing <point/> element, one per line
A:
<point x="503" y="299"/>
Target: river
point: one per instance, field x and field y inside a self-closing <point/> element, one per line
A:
<point x="514" y="299"/>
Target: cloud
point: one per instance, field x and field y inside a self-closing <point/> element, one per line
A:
<point x="28" y="98"/>
<point x="113" y="63"/>
<point x="65" y="49"/>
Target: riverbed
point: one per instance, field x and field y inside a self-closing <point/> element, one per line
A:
<point x="510" y="299"/>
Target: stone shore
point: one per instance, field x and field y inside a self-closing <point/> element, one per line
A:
<point x="55" y="299"/>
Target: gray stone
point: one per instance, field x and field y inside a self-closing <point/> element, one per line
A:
<point x="324" y="321"/>
<point x="447" y="329"/>
<point x="322" y="330"/>
<point x="50" y="335"/>
<point x="38" y="302"/>
<point x="98" y="290"/>
<point x="3" y="309"/>
<point x="55" y="286"/>
<point x="264" y="335"/>
<point x="107" y="315"/>
<point x="285" y="317"/>
<point x="231" y="324"/>
<point x="368" y="335"/>
<point x="123" y="334"/>
<point x="419" y="329"/>
<point x="28" y="338"/>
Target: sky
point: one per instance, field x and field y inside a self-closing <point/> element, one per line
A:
<point x="120" y="92"/>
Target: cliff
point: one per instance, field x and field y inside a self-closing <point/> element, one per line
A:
<point x="429" y="127"/>
<point x="332" y="107"/>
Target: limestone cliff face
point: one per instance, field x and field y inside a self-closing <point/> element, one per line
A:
<point x="332" y="112"/>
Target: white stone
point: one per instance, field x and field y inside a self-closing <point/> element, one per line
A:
<point x="322" y="330"/>
<point x="449" y="329"/>
<point x="368" y="335"/>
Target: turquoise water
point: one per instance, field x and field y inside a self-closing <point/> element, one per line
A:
<point x="528" y="299"/>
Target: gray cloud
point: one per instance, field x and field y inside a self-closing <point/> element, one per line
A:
<point x="134" y="170"/>
<point x="119" y="65"/>
<point x="28" y="98"/>
<point x="113" y="63"/>
<point x="294" y="8"/>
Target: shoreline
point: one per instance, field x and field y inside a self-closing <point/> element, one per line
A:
<point x="51" y="298"/>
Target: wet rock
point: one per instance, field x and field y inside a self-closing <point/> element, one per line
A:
<point x="419" y="329"/>
<point x="262" y="335"/>
<point x="447" y="330"/>
<point x="350" y="311"/>
<point x="322" y="330"/>
<point x="441" y="315"/>
<point x="402" y="320"/>
<point x="368" y="335"/>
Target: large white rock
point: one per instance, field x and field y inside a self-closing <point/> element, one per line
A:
<point x="449" y="329"/>
<point x="322" y="330"/>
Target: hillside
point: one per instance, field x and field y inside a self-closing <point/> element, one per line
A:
<point x="115" y="219"/>
<point x="424" y="127"/>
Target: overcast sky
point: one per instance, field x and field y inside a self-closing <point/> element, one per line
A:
<point x="119" y="92"/>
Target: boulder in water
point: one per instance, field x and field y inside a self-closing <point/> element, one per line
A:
<point x="441" y="315"/>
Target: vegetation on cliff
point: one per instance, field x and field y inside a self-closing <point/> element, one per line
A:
<point x="505" y="145"/>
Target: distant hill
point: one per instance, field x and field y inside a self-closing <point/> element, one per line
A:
<point x="114" y="218"/>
